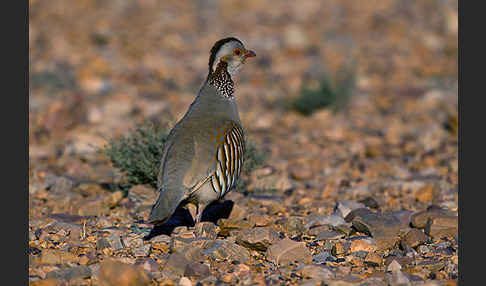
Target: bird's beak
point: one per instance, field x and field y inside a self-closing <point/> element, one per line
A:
<point x="249" y="54"/>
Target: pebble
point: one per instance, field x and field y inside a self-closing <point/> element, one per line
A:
<point x="258" y="238"/>
<point x="344" y="207"/>
<point x="333" y="220"/>
<point x="314" y="271"/>
<point x="115" y="273"/>
<point x="413" y="238"/>
<point x="287" y="251"/>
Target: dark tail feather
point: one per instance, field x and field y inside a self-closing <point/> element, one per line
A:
<point x="165" y="205"/>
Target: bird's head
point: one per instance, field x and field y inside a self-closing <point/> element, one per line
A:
<point x="230" y="53"/>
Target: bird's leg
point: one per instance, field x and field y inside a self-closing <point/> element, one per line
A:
<point x="199" y="214"/>
<point x="193" y="210"/>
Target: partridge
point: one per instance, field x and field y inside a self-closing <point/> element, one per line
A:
<point x="203" y="155"/>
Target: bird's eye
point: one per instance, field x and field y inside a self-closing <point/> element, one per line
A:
<point x="237" y="52"/>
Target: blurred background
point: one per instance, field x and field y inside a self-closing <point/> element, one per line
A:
<point x="346" y="100"/>
<point x="98" y="68"/>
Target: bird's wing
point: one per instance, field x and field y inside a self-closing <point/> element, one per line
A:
<point x="230" y="147"/>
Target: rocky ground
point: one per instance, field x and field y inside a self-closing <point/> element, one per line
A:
<point x="363" y="196"/>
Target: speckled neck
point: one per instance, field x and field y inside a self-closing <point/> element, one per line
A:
<point x="222" y="81"/>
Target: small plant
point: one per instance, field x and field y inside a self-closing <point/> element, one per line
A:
<point x="333" y="94"/>
<point x="138" y="155"/>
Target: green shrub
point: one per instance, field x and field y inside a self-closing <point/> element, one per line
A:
<point x="329" y="93"/>
<point x="138" y="155"/>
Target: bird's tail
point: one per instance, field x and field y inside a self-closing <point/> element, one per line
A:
<point x="165" y="206"/>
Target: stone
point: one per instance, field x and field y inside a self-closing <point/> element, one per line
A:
<point x="442" y="226"/>
<point x="142" y="251"/>
<point x="148" y="264"/>
<point x="258" y="238"/>
<point x="100" y="205"/>
<point x="287" y="251"/>
<point x="184" y="281"/>
<point x="115" y="273"/>
<point x="333" y="220"/>
<point x="413" y="238"/>
<point x="291" y="224"/>
<point x="420" y="219"/>
<point x="314" y="271"/>
<point x="318" y="229"/>
<point x="55" y="256"/>
<point x="329" y="235"/>
<point x="237" y="212"/>
<point x="384" y="228"/>
<point x="363" y="244"/>
<point x="340" y="248"/>
<point x="260" y="219"/>
<point x="206" y="230"/>
<point x="397" y="278"/>
<point x="197" y="270"/>
<point x="394" y="266"/>
<point x="70" y="273"/>
<point x="322" y="257"/>
<point x="60" y="185"/>
<point x="176" y="264"/>
<point x="344" y="207"/>
<point x="370" y="203"/>
<point x="373" y="259"/>
<point x="111" y="241"/>
<point x="226" y="225"/>
<point x="225" y="250"/>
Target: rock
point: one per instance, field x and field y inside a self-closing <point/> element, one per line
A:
<point x="318" y="272"/>
<point x="59" y="184"/>
<point x="363" y="244"/>
<point x="322" y="257"/>
<point x="48" y="282"/>
<point x="402" y="260"/>
<point x="340" y="248"/>
<point x="404" y="216"/>
<point x="394" y="266"/>
<point x="70" y="273"/>
<point x="329" y="235"/>
<point x="112" y="241"/>
<point x="148" y="264"/>
<point x="373" y="259"/>
<point x="344" y="207"/>
<point x="176" y="264"/>
<point x="413" y="238"/>
<point x="237" y="212"/>
<point x="301" y="174"/>
<point x="206" y="230"/>
<point x="318" y="229"/>
<point x="370" y="203"/>
<point x="142" y="251"/>
<point x="291" y="224"/>
<point x="221" y="250"/>
<point x="442" y="226"/>
<point x="260" y="220"/>
<point x="184" y="281"/>
<point x="226" y="225"/>
<point x="420" y="219"/>
<point x="55" y="256"/>
<point x="115" y="273"/>
<point x="397" y="278"/>
<point x="333" y="220"/>
<point x="259" y="238"/>
<point x="100" y="205"/>
<point x="383" y="228"/>
<point x="287" y="251"/>
<point x="197" y="270"/>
